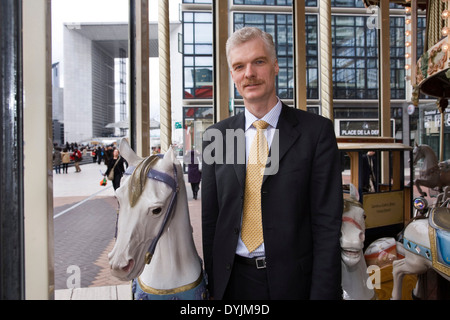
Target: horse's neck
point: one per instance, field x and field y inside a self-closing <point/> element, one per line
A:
<point x="430" y="160"/>
<point x="175" y="262"/>
<point x="354" y="282"/>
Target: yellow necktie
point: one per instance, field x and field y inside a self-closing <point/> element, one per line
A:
<point x="252" y="233"/>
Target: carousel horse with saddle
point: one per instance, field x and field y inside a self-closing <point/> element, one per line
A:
<point x="426" y="244"/>
<point x="154" y="246"/>
<point x="426" y="239"/>
<point x="355" y="278"/>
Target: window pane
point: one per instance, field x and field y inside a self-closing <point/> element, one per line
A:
<point x="280" y="27"/>
<point x="355" y="57"/>
<point x="198" y="60"/>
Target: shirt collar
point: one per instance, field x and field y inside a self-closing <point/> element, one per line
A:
<point x="271" y="117"/>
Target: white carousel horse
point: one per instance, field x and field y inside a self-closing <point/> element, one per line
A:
<point x="427" y="245"/>
<point x="354" y="268"/>
<point x="154" y="245"/>
<point x="433" y="174"/>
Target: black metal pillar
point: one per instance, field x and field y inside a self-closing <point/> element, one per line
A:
<point x="12" y="279"/>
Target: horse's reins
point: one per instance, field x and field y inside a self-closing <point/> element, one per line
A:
<point x="172" y="182"/>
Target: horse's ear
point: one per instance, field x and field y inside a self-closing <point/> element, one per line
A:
<point x="354" y="192"/>
<point x="170" y="155"/>
<point x="125" y="151"/>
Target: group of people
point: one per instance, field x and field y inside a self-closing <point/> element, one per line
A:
<point x="63" y="157"/>
<point x="102" y="153"/>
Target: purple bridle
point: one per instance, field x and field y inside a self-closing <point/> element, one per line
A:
<point x="172" y="182"/>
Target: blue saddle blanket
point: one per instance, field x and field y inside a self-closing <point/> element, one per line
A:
<point x="199" y="292"/>
<point x="443" y="246"/>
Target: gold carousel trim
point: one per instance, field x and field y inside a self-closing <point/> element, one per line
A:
<point x="187" y="287"/>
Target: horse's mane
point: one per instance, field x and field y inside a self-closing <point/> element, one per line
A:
<point x="425" y="146"/>
<point x="349" y="202"/>
<point x="139" y="178"/>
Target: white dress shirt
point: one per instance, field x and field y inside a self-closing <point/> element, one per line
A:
<point x="250" y="131"/>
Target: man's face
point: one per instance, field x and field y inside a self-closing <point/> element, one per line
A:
<point x="253" y="71"/>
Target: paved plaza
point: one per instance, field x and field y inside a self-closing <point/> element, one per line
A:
<point x="85" y="216"/>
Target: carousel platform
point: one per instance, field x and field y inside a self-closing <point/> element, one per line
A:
<point x="117" y="292"/>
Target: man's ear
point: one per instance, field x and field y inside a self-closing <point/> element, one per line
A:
<point x="277" y="67"/>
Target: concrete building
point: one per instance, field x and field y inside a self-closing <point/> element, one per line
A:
<point x="58" y="105"/>
<point x="93" y="53"/>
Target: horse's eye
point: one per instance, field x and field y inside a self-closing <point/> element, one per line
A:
<point x="156" y="211"/>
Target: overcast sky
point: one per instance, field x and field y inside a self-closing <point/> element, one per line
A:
<point x="96" y="11"/>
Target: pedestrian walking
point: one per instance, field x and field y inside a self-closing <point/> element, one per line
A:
<point x="192" y="159"/>
<point x="94" y="155"/>
<point x="100" y="154"/>
<point x="57" y="160"/>
<point x="116" y="166"/>
<point x="65" y="158"/>
<point x="77" y="157"/>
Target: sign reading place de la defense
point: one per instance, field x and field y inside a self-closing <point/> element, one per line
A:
<point x="359" y="127"/>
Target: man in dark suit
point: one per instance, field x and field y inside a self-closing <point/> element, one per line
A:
<point x="301" y="192"/>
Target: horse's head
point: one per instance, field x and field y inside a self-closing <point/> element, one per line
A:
<point x="144" y="203"/>
<point x="352" y="231"/>
<point x="425" y="152"/>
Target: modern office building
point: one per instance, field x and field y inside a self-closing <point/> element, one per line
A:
<point x="96" y="75"/>
<point x="355" y="53"/>
<point x="58" y="105"/>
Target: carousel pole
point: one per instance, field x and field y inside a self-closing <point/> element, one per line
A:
<point x="142" y="70"/>
<point x="326" y="77"/>
<point x="221" y="70"/>
<point x="298" y="9"/>
<point x="384" y="113"/>
<point x="164" y="74"/>
<point x="38" y="146"/>
<point x="442" y="105"/>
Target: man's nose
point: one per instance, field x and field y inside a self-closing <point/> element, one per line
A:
<point x="249" y="71"/>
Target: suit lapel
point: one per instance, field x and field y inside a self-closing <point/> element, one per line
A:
<point x="239" y="168"/>
<point x="288" y="129"/>
<point x="288" y="132"/>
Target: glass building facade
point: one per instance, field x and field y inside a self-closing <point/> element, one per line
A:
<point x="280" y="27"/>
<point x="355" y="54"/>
<point x="197" y="55"/>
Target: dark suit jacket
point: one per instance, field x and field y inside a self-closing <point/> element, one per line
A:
<point x="301" y="208"/>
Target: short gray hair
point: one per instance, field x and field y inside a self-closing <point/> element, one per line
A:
<point x="249" y="33"/>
